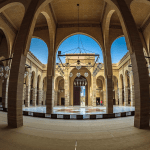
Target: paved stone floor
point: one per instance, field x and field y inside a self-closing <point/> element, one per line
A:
<point x="49" y="134"/>
<point x="79" y="110"/>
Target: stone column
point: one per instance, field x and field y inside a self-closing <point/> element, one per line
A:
<point x="16" y="80"/>
<point x="140" y="72"/>
<point x="50" y="95"/>
<point x="109" y="95"/>
<point x="132" y="96"/>
<point x="28" y="90"/>
<point x="125" y="96"/>
<point x="40" y="97"/>
<point x="55" y="100"/>
<point x="27" y="100"/>
<point x="66" y="87"/>
<point x="44" y="97"/>
<point x="24" y="94"/>
<point x="104" y="98"/>
<point x="34" y="96"/>
<point x="116" y="96"/>
<point x="94" y="92"/>
<point x="5" y="93"/>
<point x="120" y="97"/>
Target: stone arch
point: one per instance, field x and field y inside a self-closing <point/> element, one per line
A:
<point x="106" y="27"/>
<point x="115" y="80"/>
<point x="102" y="91"/>
<point x="7" y="5"/>
<point x="109" y="14"/>
<point x="21" y="47"/>
<point x="32" y="27"/>
<point x="6" y="8"/>
<point x="82" y="71"/>
<point x="102" y="78"/>
<point x="6" y="41"/>
<point x="43" y="34"/>
<point x="61" y="92"/>
<point x="76" y="33"/>
<point x="139" y="17"/>
<point x="58" y="78"/>
<point x="140" y="72"/>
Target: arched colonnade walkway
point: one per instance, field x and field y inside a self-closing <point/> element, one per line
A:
<point x="19" y="38"/>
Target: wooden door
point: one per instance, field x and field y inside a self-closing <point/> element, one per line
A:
<point x="76" y="95"/>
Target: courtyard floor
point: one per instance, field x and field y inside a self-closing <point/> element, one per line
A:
<point x="79" y="109"/>
<point x="50" y="134"/>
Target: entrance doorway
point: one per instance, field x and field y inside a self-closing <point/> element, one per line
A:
<point x="76" y="95"/>
<point x="80" y="96"/>
<point x="62" y="101"/>
<point x="97" y="100"/>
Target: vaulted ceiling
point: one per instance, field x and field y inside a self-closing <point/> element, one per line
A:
<point x="66" y="12"/>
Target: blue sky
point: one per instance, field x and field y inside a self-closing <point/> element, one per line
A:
<point x="86" y="44"/>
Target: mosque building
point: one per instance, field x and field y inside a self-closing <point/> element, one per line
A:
<point x="75" y="100"/>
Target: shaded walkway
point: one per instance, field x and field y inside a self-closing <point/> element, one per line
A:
<point x="49" y="134"/>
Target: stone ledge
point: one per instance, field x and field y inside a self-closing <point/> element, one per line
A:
<point x="37" y="114"/>
<point x="123" y="114"/>
<point x="53" y="116"/>
<point x="26" y="113"/>
<point x="66" y="116"/>
<point x="92" y="116"/>
<point x="106" y="116"/>
<point x="79" y="117"/>
<point x="74" y="116"/>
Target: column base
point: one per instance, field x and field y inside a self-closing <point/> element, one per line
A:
<point x="49" y="111"/>
<point x="15" y="123"/>
<point x="141" y="124"/>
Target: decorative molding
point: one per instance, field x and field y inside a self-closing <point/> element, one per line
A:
<point x="76" y="25"/>
<point x="41" y="28"/>
<point x="8" y="23"/>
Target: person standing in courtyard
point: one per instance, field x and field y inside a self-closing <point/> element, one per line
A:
<point x="101" y="103"/>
